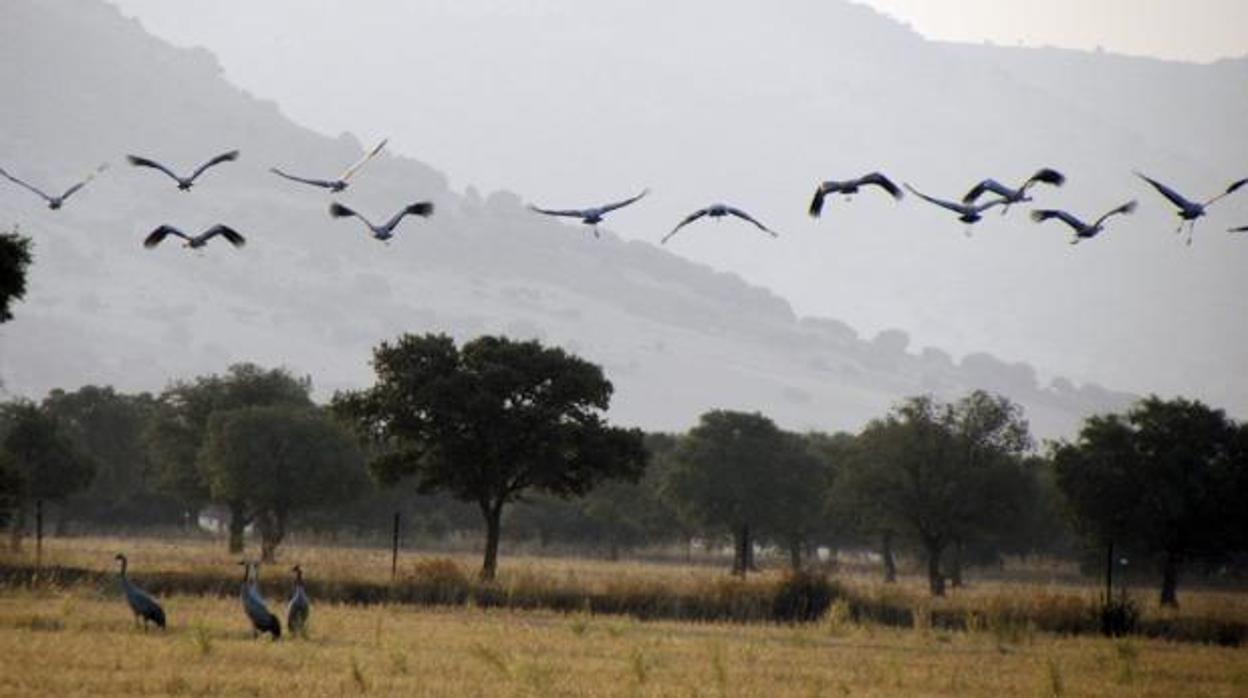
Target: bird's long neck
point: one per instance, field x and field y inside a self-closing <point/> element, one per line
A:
<point x="123" y="567"/>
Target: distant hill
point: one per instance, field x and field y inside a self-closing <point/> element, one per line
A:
<point x="84" y="85"/>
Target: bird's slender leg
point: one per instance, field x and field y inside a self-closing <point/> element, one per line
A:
<point x="596" y="234"/>
<point x="1005" y="209"/>
<point x="967" y="231"/>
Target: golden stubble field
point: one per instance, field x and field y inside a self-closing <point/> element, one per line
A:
<point x="81" y="640"/>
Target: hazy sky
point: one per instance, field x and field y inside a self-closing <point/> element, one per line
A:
<point x="1192" y="30"/>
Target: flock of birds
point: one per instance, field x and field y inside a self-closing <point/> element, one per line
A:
<point x="969" y="209"/>
<point x="148" y="612"/>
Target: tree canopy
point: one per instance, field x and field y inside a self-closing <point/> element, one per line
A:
<point x="1169" y="477"/>
<point x="40" y="461"/>
<point x="15" y="258"/>
<point x="491" y="421"/>
<point x="277" y="460"/>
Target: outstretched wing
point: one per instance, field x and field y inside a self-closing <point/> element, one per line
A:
<point x="879" y="180"/>
<point x="145" y="162"/>
<point x="688" y="219"/>
<point x="420" y="208"/>
<point x="816" y="202"/>
<point x="224" y="231"/>
<point x="1229" y="190"/>
<point x="745" y="216"/>
<point x="956" y="208"/>
<point x="1123" y="209"/>
<point x="223" y="157"/>
<point x="571" y="213"/>
<point x="24" y="185"/>
<point x="1174" y="197"/>
<point x="1043" y="214"/>
<point x="1240" y="229"/>
<point x="156" y="236"/>
<point x="69" y="192"/>
<point x="988" y="185"/>
<point x="621" y="204"/>
<point x="371" y="154"/>
<point x="294" y="178"/>
<point x="1047" y="175"/>
<point x="337" y="210"/>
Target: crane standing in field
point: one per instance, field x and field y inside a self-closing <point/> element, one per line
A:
<point x="1189" y="211"/>
<point x="850" y="187"/>
<point x="55" y="202"/>
<point x="262" y="621"/>
<point x="299" y="608"/>
<point x="141" y="603"/>
<point x="1083" y="231"/>
<point x="1014" y="196"/>
<point x="334" y="185"/>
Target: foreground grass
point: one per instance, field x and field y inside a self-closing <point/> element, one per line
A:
<point x="79" y="641"/>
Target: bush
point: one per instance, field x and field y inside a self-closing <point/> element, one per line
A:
<point x="804" y="597"/>
<point x="1119" y="616"/>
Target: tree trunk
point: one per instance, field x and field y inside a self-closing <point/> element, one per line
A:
<point x="1170" y="580"/>
<point x="795" y="555"/>
<point x="955" y="565"/>
<point x="741" y="562"/>
<point x="493" y="525"/>
<point x="935" y="580"/>
<point x="890" y="563"/>
<point x="237" y="526"/>
<point x="272" y="532"/>
<point x="17" y="525"/>
<point x="749" y="551"/>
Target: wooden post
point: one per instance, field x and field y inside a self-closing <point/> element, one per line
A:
<point x="38" y="533"/>
<point x="394" y="551"/>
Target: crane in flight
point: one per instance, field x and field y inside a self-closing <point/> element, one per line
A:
<point x="385" y="231"/>
<point x="55" y="202"/>
<point x="1046" y="175"/>
<point x="1083" y="231"/>
<point x="341" y="181"/>
<point x="184" y="183"/>
<point x="717" y="211"/>
<point x="850" y="187"/>
<point x="1189" y="211"/>
<point x="590" y="216"/>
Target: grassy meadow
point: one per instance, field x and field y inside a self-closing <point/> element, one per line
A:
<point x="80" y="639"/>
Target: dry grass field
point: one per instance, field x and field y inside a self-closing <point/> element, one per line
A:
<point x="81" y="640"/>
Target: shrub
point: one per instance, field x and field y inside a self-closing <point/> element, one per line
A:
<point x="804" y="597"/>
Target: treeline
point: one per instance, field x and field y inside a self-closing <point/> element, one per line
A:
<point x="511" y="434"/>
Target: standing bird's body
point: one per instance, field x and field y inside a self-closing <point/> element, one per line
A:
<point x="156" y="236"/>
<point x="590" y="216"/>
<point x="184" y="183"/>
<point x="1082" y="230"/>
<point x="299" y="608"/>
<point x="340" y="183"/>
<point x="55" y="202"/>
<point x="969" y="214"/>
<point x="262" y="621"/>
<point x="141" y="603"/>
<point x="851" y="187"/>
<point x="1014" y="196"/>
<point x="717" y="211"/>
<point x="1189" y="211"/>
<point x="386" y="231"/>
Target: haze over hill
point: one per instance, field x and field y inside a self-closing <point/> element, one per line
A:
<point x="1136" y="310"/>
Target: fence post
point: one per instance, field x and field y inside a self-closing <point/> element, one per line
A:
<point x="394" y="551"/>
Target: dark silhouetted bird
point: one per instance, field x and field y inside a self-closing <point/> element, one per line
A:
<point x="384" y="232"/>
<point x="1014" y="196"/>
<point x="55" y="202"/>
<point x="141" y="603"/>
<point x="590" y="216"/>
<point x="1240" y="229"/>
<point x="299" y="608"/>
<point x="717" y="211"/>
<point x="850" y="187"/>
<point x="184" y="183"/>
<point x="156" y="236"/>
<point x="969" y="214"/>
<point x="262" y="621"/>
<point x="1082" y="230"/>
<point x="1189" y="211"/>
<point x="334" y="185"/>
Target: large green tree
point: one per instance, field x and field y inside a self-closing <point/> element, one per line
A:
<point x="40" y="461"/>
<point x="277" y="461"/>
<point x="179" y="424"/>
<point x="15" y="258"/>
<point x="742" y="474"/>
<point x="491" y="421"/>
<point x="943" y="474"/>
<point x="1169" y="477"/>
<point x="109" y="426"/>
